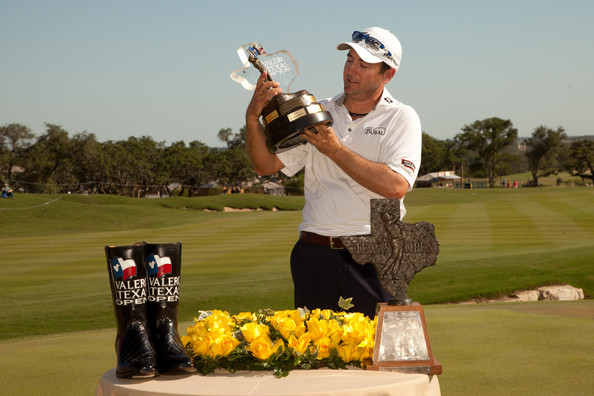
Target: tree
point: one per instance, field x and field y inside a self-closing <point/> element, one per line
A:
<point x="143" y="161"/>
<point x="433" y="155"/>
<point x="84" y="154"/>
<point x="487" y="139"/>
<point x="48" y="160"/>
<point x="438" y="155"/>
<point x="542" y="151"/>
<point x="188" y="166"/>
<point x="226" y="136"/>
<point x="233" y="165"/>
<point x="581" y="159"/>
<point x="15" y="139"/>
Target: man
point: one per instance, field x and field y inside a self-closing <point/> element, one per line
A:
<point x="372" y="150"/>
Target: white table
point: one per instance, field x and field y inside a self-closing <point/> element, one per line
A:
<point x="321" y="382"/>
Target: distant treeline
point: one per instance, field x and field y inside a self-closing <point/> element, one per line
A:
<point x="57" y="162"/>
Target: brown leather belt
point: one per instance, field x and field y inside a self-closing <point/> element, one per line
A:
<point x="332" y="242"/>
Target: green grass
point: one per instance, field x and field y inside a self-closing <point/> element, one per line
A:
<point x="494" y="241"/>
<point x="42" y="214"/>
<point x="55" y="303"/>
<point x="539" y="348"/>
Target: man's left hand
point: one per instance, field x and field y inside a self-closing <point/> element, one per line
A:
<point x="324" y="139"/>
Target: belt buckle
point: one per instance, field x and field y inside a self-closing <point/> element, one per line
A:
<point x="332" y="244"/>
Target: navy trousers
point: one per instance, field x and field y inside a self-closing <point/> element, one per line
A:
<point x="321" y="275"/>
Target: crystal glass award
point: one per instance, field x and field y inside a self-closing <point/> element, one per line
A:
<point x="281" y="67"/>
<point x="287" y="115"/>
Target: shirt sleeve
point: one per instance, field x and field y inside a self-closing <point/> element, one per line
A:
<point x="293" y="159"/>
<point x="402" y="151"/>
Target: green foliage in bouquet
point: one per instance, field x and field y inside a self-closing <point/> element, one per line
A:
<point x="280" y="341"/>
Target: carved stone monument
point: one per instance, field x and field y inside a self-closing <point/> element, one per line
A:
<point x="398" y="251"/>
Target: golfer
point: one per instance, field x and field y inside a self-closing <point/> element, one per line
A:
<point x="372" y="150"/>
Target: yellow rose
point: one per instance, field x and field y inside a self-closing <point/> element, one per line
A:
<point x="214" y="325"/>
<point x="348" y="352"/>
<point x="320" y="328"/>
<point x="287" y="326"/>
<point x="300" y="344"/>
<point x="316" y="328"/>
<point x="199" y="331"/>
<point x="262" y="348"/>
<point x="201" y="346"/>
<point x="278" y="315"/>
<point x="223" y="345"/>
<point x="318" y="313"/>
<point x="185" y="340"/>
<point x="278" y="344"/>
<point x="326" y="313"/>
<point x="324" y="345"/>
<point x="252" y="331"/>
<point x="296" y="316"/>
<point x="354" y="332"/>
<point x="334" y="331"/>
<point x="366" y="347"/>
<point x="354" y="317"/>
<point x="366" y="354"/>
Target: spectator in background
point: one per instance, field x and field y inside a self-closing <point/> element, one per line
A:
<point x="7" y="191"/>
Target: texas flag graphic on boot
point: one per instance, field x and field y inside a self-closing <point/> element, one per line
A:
<point x="158" y="266"/>
<point x="123" y="269"/>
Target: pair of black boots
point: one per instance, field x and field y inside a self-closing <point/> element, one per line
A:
<point x="144" y="281"/>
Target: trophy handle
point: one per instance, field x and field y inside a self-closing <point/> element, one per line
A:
<point x="256" y="50"/>
<point x="258" y="65"/>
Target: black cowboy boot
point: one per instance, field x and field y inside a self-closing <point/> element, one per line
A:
<point x="164" y="266"/>
<point x="127" y="274"/>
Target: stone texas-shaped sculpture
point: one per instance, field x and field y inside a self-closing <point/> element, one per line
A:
<point x="397" y="250"/>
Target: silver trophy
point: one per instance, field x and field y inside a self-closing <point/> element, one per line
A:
<point x="287" y="115"/>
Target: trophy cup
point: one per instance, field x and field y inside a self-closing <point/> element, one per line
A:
<point x="287" y="115"/>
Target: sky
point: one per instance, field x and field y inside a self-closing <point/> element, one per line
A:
<point x="161" y="68"/>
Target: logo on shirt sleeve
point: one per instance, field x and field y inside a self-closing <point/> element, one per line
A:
<point x="408" y="164"/>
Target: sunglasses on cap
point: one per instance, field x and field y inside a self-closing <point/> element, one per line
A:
<point x="373" y="43"/>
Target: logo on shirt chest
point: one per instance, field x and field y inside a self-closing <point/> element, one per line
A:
<point x="375" y="131"/>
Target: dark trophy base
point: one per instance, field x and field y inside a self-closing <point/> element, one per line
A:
<point x="287" y="116"/>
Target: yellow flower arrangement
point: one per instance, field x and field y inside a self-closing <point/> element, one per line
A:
<point x="280" y="340"/>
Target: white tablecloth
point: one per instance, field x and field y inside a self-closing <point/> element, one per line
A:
<point x="321" y="382"/>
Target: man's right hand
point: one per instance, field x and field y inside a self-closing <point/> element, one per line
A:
<point x="265" y="90"/>
<point x="264" y="162"/>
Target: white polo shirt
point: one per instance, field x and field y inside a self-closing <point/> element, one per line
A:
<point x="335" y="204"/>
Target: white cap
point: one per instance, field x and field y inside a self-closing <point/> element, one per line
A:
<point x="390" y="54"/>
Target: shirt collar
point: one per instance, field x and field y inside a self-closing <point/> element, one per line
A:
<point x="385" y="100"/>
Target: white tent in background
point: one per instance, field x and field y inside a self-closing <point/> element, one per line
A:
<point x="445" y="179"/>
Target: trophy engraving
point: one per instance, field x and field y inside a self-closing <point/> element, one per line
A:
<point x="287" y="115"/>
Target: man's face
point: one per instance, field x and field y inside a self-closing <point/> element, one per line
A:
<point x="362" y="80"/>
